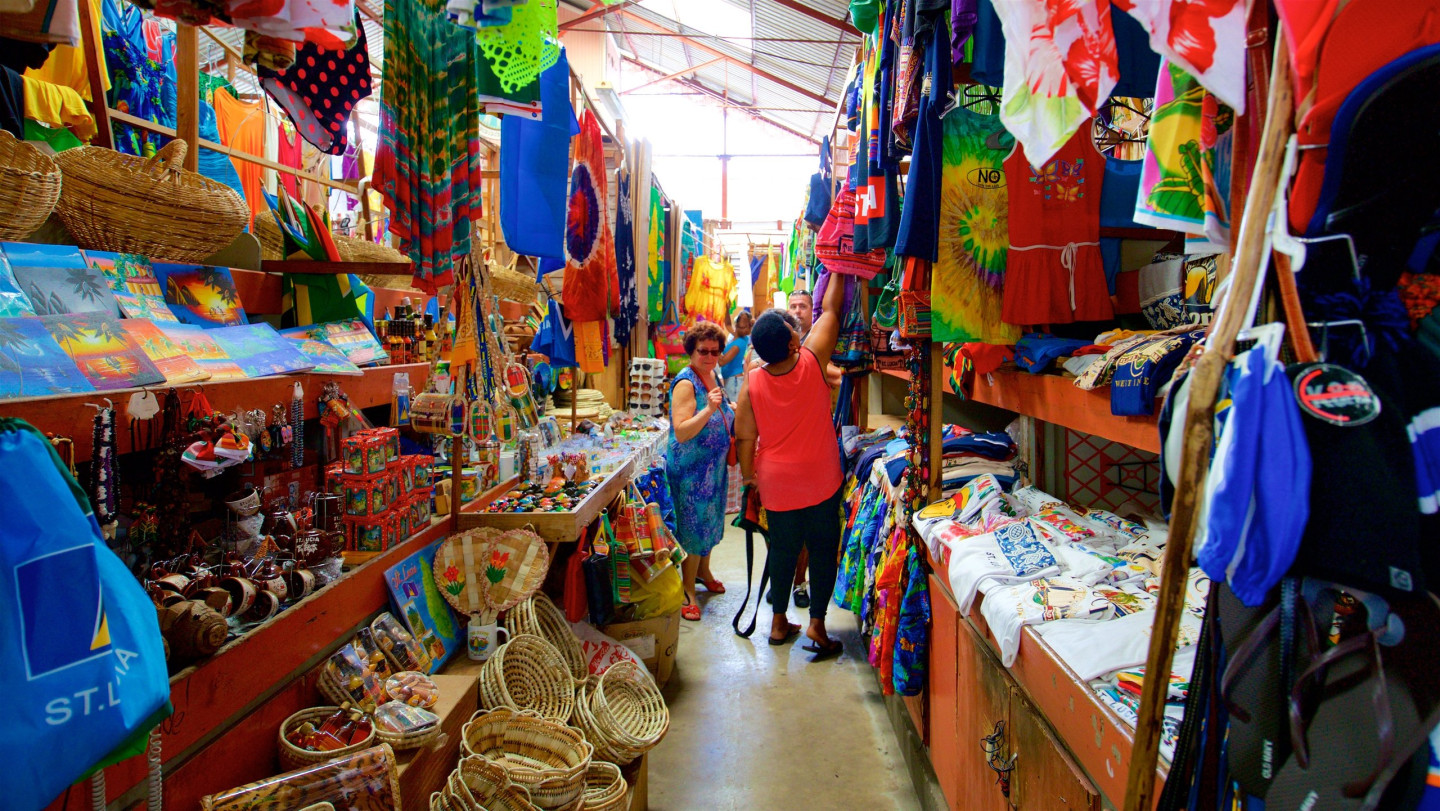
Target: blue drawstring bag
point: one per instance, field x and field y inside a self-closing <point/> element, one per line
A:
<point x="82" y="665"/>
<point x="817" y="208"/>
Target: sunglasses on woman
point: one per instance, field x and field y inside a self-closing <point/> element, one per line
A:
<point x="709" y="353"/>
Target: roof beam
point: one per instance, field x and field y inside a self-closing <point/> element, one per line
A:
<point x="758" y="71"/>
<point x="750" y="110"/>
<point x="677" y="74"/>
<point x="596" y="10"/>
<point x="796" y="5"/>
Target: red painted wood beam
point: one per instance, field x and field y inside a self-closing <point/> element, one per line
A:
<point x="796" y="5"/>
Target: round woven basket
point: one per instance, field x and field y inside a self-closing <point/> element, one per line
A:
<point x="528" y="673"/>
<point x="402" y="741"/>
<point x="548" y="759"/>
<point x="115" y="202"/>
<point x="482" y="570"/>
<point x="541" y="617"/>
<point x="29" y="187"/>
<point x="293" y="757"/>
<point x="511" y="284"/>
<point x="605" y="788"/>
<point x="272" y="240"/>
<point x="355" y="249"/>
<point x="478" y="783"/>
<point x="622" y="712"/>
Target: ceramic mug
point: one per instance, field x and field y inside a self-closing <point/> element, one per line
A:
<point x="242" y="593"/>
<point x="300" y="582"/>
<point x="218" y="599"/>
<point x="174" y="582"/>
<point x="266" y="606"/>
<point x="275" y="585"/>
<point x="484" y="639"/>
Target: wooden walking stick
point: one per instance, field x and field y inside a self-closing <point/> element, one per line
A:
<point x="1199" y="432"/>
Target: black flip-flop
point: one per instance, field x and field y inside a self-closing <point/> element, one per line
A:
<point x="1377" y="705"/>
<point x="790" y="635"/>
<point x="835" y="648"/>
<point x="1258" y="737"/>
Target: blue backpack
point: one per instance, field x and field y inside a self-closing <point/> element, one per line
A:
<point x="82" y="664"/>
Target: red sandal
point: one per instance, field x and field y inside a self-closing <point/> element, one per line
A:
<point x="690" y="612"/>
<point x="713" y="586"/>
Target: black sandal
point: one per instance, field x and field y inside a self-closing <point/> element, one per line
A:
<point x="791" y="633"/>
<point x="828" y="651"/>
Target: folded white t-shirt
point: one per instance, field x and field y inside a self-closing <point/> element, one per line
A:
<point x="1008" y="609"/>
<point x="1095" y="648"/>
<point x="1013" y="553"/>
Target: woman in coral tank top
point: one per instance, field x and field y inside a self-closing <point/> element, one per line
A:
<point x="787" y="448"/>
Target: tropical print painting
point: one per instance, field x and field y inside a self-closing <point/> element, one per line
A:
<point x="167" y="356"/>
<point x="199" y="344"/>
<point x="974" y="231"/>
<point x="327" y="359"/>
<point x="350" y="336"/>
<point x="57" y="281"/>
<point x="132" y="278"/>
<point x="32" y="364"/>
<point x="203" y="295"/>
<point x="102" y="350"/>
<point x="12" y="302"/>
<point x="260" y="350"/>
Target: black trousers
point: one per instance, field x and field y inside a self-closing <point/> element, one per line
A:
<point x="816" y="528"/>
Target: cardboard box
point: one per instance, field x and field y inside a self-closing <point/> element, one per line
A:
<point x="654" y="640"/>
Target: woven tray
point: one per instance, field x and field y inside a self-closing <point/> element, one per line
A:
<point x="293" y="757"/>
<point x="528" y="673"/>
<point x="487" y="571"/>
<point x="541" y="617"/>
<point x="605" y="788"/>
<point x="478" y="783"/>
<point x="546" y="758"/>
<point x="622" y="712"/>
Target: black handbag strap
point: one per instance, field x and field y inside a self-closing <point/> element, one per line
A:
<point x="764" y="581"/>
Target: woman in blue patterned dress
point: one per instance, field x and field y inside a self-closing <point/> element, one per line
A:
<point x="700" y="423"/>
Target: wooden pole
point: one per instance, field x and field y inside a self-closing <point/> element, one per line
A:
<point x="187" y="92"/>
<point x="90" y="43"/>
<point x="1199" y="433"/>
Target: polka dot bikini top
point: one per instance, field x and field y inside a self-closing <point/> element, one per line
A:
<point x="321" y="88"/>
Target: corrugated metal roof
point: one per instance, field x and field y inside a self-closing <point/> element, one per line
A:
<point x="786" y="44"/>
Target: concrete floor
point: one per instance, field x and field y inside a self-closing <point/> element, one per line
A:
<point x="760" y="727"/>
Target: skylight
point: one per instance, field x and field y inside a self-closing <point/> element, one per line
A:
<point x="720" y="18"/>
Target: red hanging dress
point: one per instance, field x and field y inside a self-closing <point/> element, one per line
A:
<point x="1054" y="273"/>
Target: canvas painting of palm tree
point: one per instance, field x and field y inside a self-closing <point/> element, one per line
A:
<point x="167" y="356"/>
<point x="57" y="281"/>
<point x="260" y="350"/>
<point x="203" y="295"/>
<point x="327" y="359"/>
<point x="132" y="278"/>
<point x="350" y="336"/>
<point x="199" y="345"/>
<point x="32" y="364"/>
<point x="104" y="352"/>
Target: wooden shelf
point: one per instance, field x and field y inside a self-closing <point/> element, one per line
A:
<point x="313" y="268"/>
<point x="1093" y="734"/>
<point x="68" y="414"/>
<point x="1055" y="399"/>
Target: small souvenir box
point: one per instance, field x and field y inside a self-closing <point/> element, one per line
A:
<point x="365" y="535"/>
<point x="334" y="479"/>
<point x="352" y="455"/>
<point x="420" y="509"/>
<point x="364" y="497"/>
<point x="391" y="438"/>
<point x="390" y="527"/>
<point x="403" y="521"/>
<point x="391" y="480"/>
<point x="406" y="471"/>
<point x="424" y="470"/>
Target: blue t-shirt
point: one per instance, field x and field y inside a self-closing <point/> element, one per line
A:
<point x="737" y="364"/>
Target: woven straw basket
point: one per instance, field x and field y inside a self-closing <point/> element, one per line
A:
<point x="622" y="712"/>
<point x="403" y="741"/>
<point x="605" y="788"/>
<point x="528" y="673"/>
<point x="478" y="784"/>
<point x="511" y="284"/>
<point x="293" y="757"/>
<point x="124" y="203"/>
<point x="540" y="617"/>
<point x="29" y="187"/>
<point x="549" y="760"/>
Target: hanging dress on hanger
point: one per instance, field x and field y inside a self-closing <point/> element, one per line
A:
<point x="1054" y="272"/>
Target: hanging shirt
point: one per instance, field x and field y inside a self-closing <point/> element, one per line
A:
<point x="712" y="285"/>
<point x="629" y="313"/>
<point x="1207" y="40"/>
<point x="241" y="125"/>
